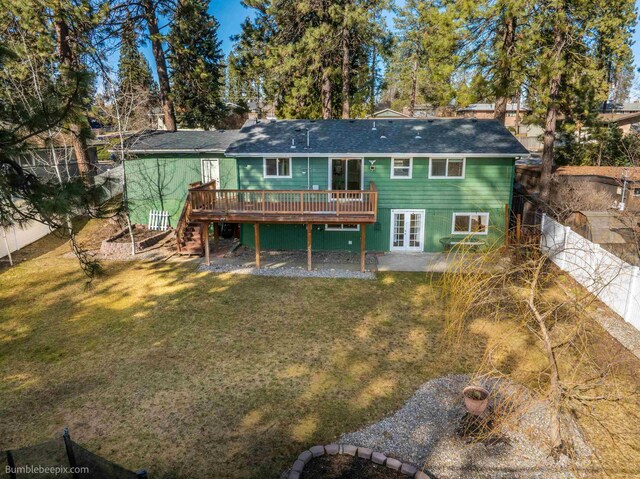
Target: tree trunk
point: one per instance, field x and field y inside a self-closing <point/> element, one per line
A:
<point x="326" y="94"/>
<point x="555" y="393"/>
<point x="68" y="60"/>
<point x="161" y="67"/>
<point x="414" y="86"/>
<point x="346" y="73"/>
<point x="505" y="82"/>
<point x="372" y="99"/>
<point x="552" y="115"/>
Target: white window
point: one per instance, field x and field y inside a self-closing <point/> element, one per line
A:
<point x="470" y="223"/>
<point x="450" y="168"/>
<point x="401" y="168"/>
<point x="277" y="167"/>
<point x="342" y="227"/>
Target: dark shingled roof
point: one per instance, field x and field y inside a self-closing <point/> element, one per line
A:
<point x="433" y="136"/>
<point x="182" y="141"/>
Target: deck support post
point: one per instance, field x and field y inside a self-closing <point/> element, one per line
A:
<point x="216" y="235"/>
<point x="256" y="230"/>
<point x="205" y="241"/>
<point x="309" y="231"/>
<point x="363" y="234"/>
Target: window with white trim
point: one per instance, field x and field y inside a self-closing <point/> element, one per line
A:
<point x="277" y="167"/>
<point x="401" y="168"/>
<point x="342" y="227"/>
<point x="470" y="223"/>
<point x="450" y="168"/>
<point x="636" y="192"/>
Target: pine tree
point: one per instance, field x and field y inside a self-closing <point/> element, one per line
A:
<point x="575" y="50"/>
<point x="424" y="59"/>
<point x="196" y="65"/>
<point x="137" y="90"/>
<point x="316" y="59"/>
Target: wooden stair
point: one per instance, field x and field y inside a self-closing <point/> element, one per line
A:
<point x="190" y="241"/>
<point x="189" y="234"/>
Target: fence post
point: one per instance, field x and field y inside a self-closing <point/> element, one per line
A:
<point x="70" y="455"/>
<point x="565" y="244"/>
<point x="12" y="465"/>
<point x="630" y="293"/>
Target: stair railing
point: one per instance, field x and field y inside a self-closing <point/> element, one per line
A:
<point x="185" y="216"/>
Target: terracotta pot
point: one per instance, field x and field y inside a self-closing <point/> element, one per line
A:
<point x="476" y="399"/>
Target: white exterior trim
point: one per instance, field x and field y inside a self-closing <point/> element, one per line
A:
<point x="464" y="167"/>
<point x="374" y="155"/>
<point x="479" y="213"/>
<point x="392" y="174"/>
<point x="218" y="179"/>
<point x="422" y="230"/>
<point x="283" y="157"/>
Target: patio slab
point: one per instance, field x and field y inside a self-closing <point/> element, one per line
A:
<point x="415" y="262"/>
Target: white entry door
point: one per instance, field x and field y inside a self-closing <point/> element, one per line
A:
<point x="211" y="171"/>
<point x="407" y="230"/>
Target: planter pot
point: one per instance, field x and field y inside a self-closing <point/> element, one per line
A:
<point x="476" y="399"/>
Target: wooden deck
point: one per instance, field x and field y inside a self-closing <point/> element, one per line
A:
<point x="206" y="205"/>
<point x="284" y="206"/>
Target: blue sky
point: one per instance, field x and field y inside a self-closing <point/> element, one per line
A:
<point x="230" y="14"/>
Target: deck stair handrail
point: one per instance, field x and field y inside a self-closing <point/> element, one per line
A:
<point x="285" y="202"/>
<point x="187" y="209"/>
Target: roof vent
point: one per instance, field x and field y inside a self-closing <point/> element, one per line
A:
<point x="352" y="121"/>
<point x="418" y="137"/>
<point x="382" y="137"/>
<point x="390" y="121"/>
<point x="293" y="143"/>
<point x="429" y="121"/>
<point x="474" y="120"/>
<point x="373" y="128"/>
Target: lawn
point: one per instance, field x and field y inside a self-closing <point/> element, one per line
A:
<point x="200" y="375"/>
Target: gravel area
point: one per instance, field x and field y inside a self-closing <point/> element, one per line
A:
<point x="424" y="432"/>
<point x="286" y="272"/>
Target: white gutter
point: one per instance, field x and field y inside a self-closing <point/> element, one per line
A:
<point x="288" y="154"/>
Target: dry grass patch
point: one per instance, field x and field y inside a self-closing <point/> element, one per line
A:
<point x="187" y="373"/>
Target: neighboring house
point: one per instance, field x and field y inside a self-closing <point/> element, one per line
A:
<point x="381" y="185"/>
<point x="621" y="183"/>
<point x="627" y="122"/>
<point x="528" y="134"/>
<point x="388" y="113"/>
<point x="161" y="165"/>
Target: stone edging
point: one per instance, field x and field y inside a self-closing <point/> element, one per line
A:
<point x="362" y="452"/>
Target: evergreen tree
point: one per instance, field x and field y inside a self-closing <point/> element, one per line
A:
<point x="424" y="58"/>
<point x="196" y="65"/>
<point x="137" y="90"/>
<point x="575" y="51"/>
<point x="315" y="59"/>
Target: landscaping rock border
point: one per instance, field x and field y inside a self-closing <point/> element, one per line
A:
<point x="110" y="247"/>
<point x="303" y="459"/>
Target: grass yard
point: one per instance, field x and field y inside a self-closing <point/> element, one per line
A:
<point x="200" y="375"/>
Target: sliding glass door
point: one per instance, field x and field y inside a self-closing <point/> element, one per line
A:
<point x="345" y="174"/>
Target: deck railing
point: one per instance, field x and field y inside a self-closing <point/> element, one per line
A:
<point x="285" y="202"/>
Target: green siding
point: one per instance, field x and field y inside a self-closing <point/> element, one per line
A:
<point x="160" y="182"/>
<point x="487" y="187"/>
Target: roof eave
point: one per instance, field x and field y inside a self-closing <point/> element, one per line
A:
<point x="376" y="154"/>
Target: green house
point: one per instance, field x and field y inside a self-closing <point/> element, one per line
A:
<point x="438" y="182"/>
<point x="161" y="165"/>
<point x="351" y="185"/>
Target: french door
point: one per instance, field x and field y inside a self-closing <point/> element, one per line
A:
<point x="407" y="230"/>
